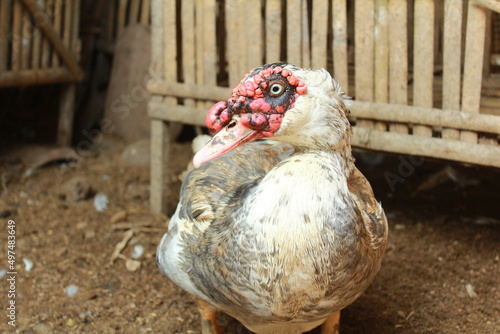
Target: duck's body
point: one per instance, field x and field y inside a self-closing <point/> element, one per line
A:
<point x="280" y="237"/>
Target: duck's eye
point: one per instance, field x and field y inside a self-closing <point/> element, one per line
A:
<point x="276" y="89"/>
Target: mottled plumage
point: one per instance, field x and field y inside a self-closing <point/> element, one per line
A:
<point x="279" y="235"/>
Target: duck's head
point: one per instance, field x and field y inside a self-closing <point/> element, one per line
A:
<point x="304" y="108"/>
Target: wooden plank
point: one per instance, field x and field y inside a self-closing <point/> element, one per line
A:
<point x="339" y="44"/>
<point x="66" y="115"/>
<point x="294" y="32"/>
<point x="452" y="50"/>
<point x="178" y="114"/>
<point x="319" y="34"/>
<point x="273" y="31"/>
<point x="254" y="35"/>
<point x="145" y="8"/>
<point x="464" y="152"/>
<point x="423" y="59"/>
<point x="398" y="57"/>
<point x="5" y="14"/>
<point x="17" y="24"/>
<point x="473" y="64"/>
<point x="159" y="165"/>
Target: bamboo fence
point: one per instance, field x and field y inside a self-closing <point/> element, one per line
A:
<point x="416" y="69"/>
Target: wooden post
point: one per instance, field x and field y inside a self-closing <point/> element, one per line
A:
<point x="423" y="59"/>
<point x="159" y="152"/>
<point x="57" y="23"/>
<point x="145" y="12"/>
<point x="17" y="24"/>
<point x="339" y="45"/>
<point x="452" y="50"/>
<point x="381" y="63"/>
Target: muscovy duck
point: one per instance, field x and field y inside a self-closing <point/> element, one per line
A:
<point x="283" y="233"/>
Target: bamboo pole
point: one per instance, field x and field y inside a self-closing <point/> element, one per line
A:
<point x="66" y="31"/>
<point x="241" y="43"/>
<point x="319" y="34"/>
<point x="273" y="30"/>
<point x="46" y="47"/>
<point x="17" y="24"/>
<point x="34" y="77"/>
<point x="74" y="43"/>
<point x="145" y="12"/>
<point x="5" y="14"/>
<point x="423" y="59"/>
<point x="232" y="42"/>
<point x="169" y="43"/>
<point x="381" y="53"/>
<point x="493" y="5"/>
<point x="210" y="44"/>
<point x="436" y="118"/>
<point x="57" y="24"/>
<point x="37" y="41"/>
<point x="474" y="48"/>
<point x="364" y="53"/>
<point x="188" y="45"/>
<point x="452" y="50"/>
<point x="254" y="34"/>
<point x="26" y="40"/>
<point x="294" y="33"/>
<point x="133" y="16"/>
<point x="339" y="44"/>
<point x="485" y="155"/>
<point x="110" y="24"/>
<point x="122" y="16"/>
<point x="398" y="58"/>
<point x="305" y="40"/>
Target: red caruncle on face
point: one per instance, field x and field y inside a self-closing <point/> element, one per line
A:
<point x="261" y="100"/>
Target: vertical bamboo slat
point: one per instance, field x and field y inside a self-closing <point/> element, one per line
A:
<point x="232" y="42"/>
<point x="26" y="40"/>
<point x="473" y="69"/>
<point x="16" y="36"/>
<point x="188" y="45"/>
<point x="122" y="16"/>
<point x="381" y="53"/>
<point x="294" y="33"/>
<point x="253" y="30"/>
<point x="398" y="58"/>
<point x="305" y="40"/>
<point x="46" y="47"/>
<point x="339" y="45"/>
<point x="110" y="27"/>
<point x="273" y="30"/>
<point x="57" y="29"/>
<point x="364" y="53"/>
<point x="241" y="43"/>
<point x="209" y="46"/>
<point x="37" y="42"/>
<point x="74" y="41"/>
<point x="423" y="59"/>
<point x="68" y="10"/>
<point x="451" y="60"/>
<point x="5" y="13"/>
<point x="319" y="34"/>
<point x="133" y="16"/>
<point x="145" y="11"/>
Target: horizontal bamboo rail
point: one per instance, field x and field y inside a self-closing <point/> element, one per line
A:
<point x="35" y="77"/>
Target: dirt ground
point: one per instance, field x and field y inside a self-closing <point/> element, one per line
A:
<point x="440" y="273"/>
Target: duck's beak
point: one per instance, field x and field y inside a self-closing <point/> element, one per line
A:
<point x="231" y="136"/>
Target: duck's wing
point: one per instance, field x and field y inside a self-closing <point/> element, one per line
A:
<point x="374" y="220"/>
<point x="214" y="189"/>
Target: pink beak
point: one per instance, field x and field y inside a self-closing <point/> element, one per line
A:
<point x="231" y="136"/>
